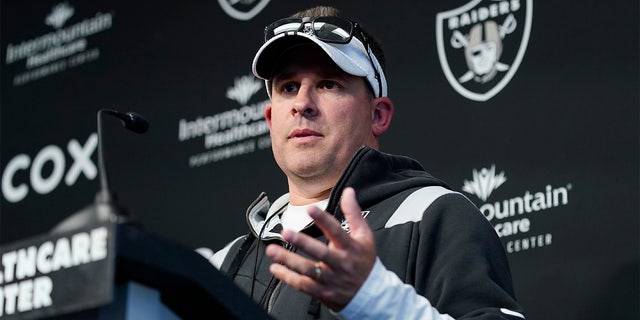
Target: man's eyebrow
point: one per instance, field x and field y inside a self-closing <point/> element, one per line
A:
<point x="329" y="74"/>
<point x="282" y="75"/>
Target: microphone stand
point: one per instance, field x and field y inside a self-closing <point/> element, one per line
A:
<point x="105" y="207"/>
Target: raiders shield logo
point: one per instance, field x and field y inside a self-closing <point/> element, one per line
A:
<point x="481" y="44"/>
<point x="243" y="9"/>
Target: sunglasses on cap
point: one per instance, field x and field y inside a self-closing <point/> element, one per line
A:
<point x="326" y="29"/>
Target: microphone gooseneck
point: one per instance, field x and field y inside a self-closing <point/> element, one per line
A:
<point x="105" y="206"/>
<point x="132" y="121"/>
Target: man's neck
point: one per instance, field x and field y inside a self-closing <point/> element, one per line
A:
<point x="303" y="195"/>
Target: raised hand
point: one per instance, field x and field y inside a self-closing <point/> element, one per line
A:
<point x="334" y="272"/>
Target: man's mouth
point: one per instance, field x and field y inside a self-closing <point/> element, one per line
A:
<point x="304" y="133"/>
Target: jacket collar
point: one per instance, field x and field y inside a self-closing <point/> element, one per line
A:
<point x="373" y="174"/>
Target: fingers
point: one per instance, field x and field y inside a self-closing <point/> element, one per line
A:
<point x="292" y="261"/>
<point x="332" y="272"/>
<point x="316" y="249"/>
<point x="352" y="211"/>
<point x="331" y="227"/>
<point x="298" y="272"/>
<point x="297" y="280"/>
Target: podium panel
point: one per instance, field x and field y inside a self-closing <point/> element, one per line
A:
<point x="114" y="271"/>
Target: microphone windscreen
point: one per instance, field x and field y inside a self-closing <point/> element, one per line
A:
<point x="136" y="123"/>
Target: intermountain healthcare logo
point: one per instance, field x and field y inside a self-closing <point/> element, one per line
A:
<point x="57" y="50"/>
<point x="243" y="9"/>
<point x="512" y="218"/>
<point x="484" y="182"/>
<point x="481" y="44"/>
<point x="231" y="133"/>
<point x="59" y="15"/>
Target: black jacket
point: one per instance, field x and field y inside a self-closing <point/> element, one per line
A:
<point x="446" y="249"/>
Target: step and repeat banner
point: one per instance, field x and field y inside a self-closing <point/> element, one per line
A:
<point x="529" y="108"/>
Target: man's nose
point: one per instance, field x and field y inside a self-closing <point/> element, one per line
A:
<point x="304" y="103"/>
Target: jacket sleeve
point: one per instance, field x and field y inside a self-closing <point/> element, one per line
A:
<point x="385" y="296"/>
<point x="461" y="272"/>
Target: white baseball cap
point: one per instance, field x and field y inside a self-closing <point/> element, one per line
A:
<point x="352" y="58"/>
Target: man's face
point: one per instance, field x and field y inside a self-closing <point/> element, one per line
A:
<point x="319" y="117"/>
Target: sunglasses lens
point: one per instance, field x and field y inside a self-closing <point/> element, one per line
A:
<point x="332" y="29"/>
<point x="328" y="29"/>
<point x="280" y="26"/>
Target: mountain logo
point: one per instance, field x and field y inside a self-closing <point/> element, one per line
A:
<point x="59" y="15"/>
<point x="484" y="182"/>
<point x="244" y="88"/>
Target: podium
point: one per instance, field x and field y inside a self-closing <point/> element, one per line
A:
<point x="115" y="271"/>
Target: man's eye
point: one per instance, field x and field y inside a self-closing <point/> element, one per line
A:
<point x="289" y="87"/>
<point x="329" y="84"/>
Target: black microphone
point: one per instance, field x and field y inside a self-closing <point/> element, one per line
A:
<point x="132" y="121"/>
<point x="106" y="206"/>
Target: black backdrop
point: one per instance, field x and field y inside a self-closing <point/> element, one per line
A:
<point x="554" y="134"/>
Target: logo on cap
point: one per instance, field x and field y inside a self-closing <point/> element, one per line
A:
<point x="481" y="44"/>
<point x="243" y="9"/>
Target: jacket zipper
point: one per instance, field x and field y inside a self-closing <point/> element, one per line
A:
<point x="273" y="294"/>
<point x="272" y="298"/>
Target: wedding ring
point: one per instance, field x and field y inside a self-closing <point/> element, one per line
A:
<point x="317" y="272"/>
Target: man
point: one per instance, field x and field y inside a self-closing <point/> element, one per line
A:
<point x="392" y="241"/>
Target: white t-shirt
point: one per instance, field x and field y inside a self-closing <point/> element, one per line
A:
<point x="296" y="218"/>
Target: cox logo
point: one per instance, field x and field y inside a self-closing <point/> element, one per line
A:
<point x="16" y="191"/>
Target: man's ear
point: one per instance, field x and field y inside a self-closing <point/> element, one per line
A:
<point x="267" y="115"/>
<point x="382" y="114"/>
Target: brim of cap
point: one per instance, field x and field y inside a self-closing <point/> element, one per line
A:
<point x="342" y="54"/>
